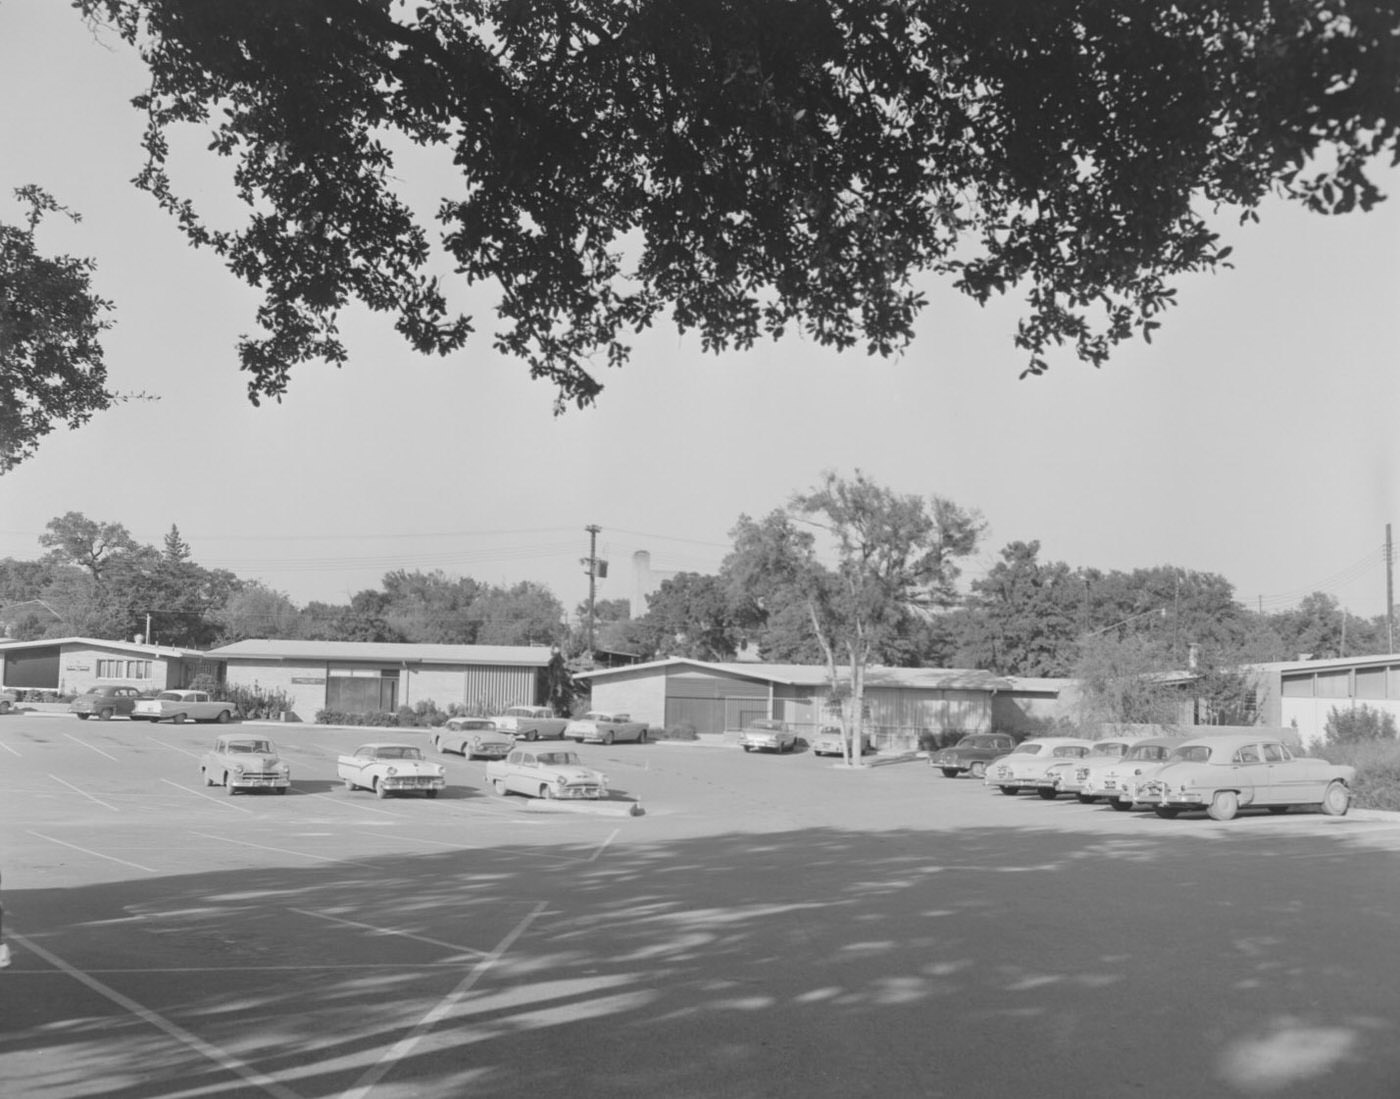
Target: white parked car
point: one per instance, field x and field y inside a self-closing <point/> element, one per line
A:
<point x="828" y="742"/>
<point x="181" y="706"/>
<point x="473" y="737"/>
<point x="546" y="773"/>
<point x="596" y="727"/>
<point x="1112" y="779"/>
<point x="531" y="723"/>
<point x="245" y="763"/>
<point x="1224" y="774"/>
<point x="1062" y="776"/>
<point x="768" y="735"/>
<point x="1024" y="765"/>
<point x="391" y="769"/>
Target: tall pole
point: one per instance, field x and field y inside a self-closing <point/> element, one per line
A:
<point x="593" y="530"/>
<point x="1389" y="592"/>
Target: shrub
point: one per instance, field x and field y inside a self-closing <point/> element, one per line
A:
<point x="1377" y="763"/>
<point x="256" y="702"/>
<point x="672" y="732"/>
<point x="1358" y="725"/>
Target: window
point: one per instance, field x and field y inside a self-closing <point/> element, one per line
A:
<point x="1248" y="754"/>
<point x="1273" y="753"/>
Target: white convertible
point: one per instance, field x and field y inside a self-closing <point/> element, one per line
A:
<point x="391" y="769"/>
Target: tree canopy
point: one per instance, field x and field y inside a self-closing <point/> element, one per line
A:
<point x="742" y="168"/>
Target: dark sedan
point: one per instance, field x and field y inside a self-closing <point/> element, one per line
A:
<point x="106" y="702"/>
<point x="971" y="754"/>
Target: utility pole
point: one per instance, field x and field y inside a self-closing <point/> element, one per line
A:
<point x="592" y="563"/>
<point x="1389" y="592"/>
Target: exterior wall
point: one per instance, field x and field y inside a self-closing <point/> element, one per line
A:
<point x="1301" y="698"/>
<point x="78" y="669"/>
<point x="642" y="695"/>
<point x="305" y="682"/>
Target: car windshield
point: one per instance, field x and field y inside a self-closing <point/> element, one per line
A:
<point x="398" y="753"/>
<point x="560" y="759"/>
<point x="1192" y="753"/>
<point x="1027" y="749"/>
<point x="1148" y="751"/>
<point x="766" y="725"/>
<point x="249" y="746"/>
<point x="1108" y="749"/>
<point x="172" y="696"/>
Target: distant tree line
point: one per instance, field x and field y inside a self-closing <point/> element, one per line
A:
<point x="1025" y="617"/>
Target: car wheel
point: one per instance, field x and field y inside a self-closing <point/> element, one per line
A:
<point x="978" y="770"/>
<point x="223" y="718"/>
<point x="437" y="743"/>
<point x="546" y="790"/>
<point x="430" y="794"/>
<point x="1166" y="812"/>
<point x="232" y="789"/>
<point x="83" y="717"/>
<point x="642" y="737"/>
<point x="950" y="772"/>
<point x="1336" y="799"/>
<point x="1224" y="805"/>
<point x="281" y="789"/>
<point x="348" y="784"/>
<point x="748" y="747"/>
<point x="607" y="738"/>
<point x="1048" y="793"/>
<point x="380" y="790"/>
<point x="178" y="719"/>
<point x="105" y="715"/>
<point x="533" y="734"/>
<point x="205" y="775"/>
<point x="1009" y="790"/>
<point x="499" y="786"/>
<point x="1121" y="804"/>
<point x="1086" y="799"/>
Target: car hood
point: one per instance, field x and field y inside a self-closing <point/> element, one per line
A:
<point x="252" y="762"/>
<point x="573" y="774"/>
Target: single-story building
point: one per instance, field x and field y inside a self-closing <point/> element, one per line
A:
<point x="722" y="697"/>
<point x="70" y="665"/>
<point x="1301" y="694"/>
<point x="368" y="677"/>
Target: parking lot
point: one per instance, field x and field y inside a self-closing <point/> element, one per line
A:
<point x="764" y="925"/>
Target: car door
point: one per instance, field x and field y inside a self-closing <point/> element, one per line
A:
<point x="1291" y="781"/>
<point x="1250" y="775"/>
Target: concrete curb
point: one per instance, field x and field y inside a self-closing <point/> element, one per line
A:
<point x="584" y="807"/>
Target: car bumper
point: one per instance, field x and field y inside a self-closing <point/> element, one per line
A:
<point x="413" y="782"/>
<point x="259" y="782"/>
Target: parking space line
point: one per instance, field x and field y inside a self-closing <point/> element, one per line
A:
<point x="224" y="801"/>
<point x="206" y="1049"/>
<point x="604" y="845"/>
<point x="94" y="747"/>
<point x="390" y="931"/>
<point x="9" y="749"/>
<point x="78" y="790"/>
<point x="94" y="854"/>
<point x="402" y="1048"/>
<point x="173" y="747"/>
<point x="355" y="805"/>
<point x="279" y="850"/>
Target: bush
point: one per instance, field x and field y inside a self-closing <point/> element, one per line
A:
<point x="1359" y="725"/>
<point x="672" y="732"/>
<point x="1377" y="763"/>
<point x="376" y="720"/>
<point x="256" y="702"/>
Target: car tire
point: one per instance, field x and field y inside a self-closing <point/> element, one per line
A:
<point x="205" y="775"/>
<point x="949" y="772"/>
<point x="607" y="738"/>
<point x="1225" y="805"/>
<point x="1086" y="799"/>
<point x="1047" y="793"/>
<point x="281" y="789"/>
<point x="437" y="744"/>
<point x="533" y="734"/>
<point x="1166" y="812"/>
<point x="223" y="718"/>
<point x="430" y="794"/>
<point x="748" y="747"/>
<point x="546" y="791"/>
<point x="105" y="715"/>
<point x="348" y="784"/>
<point x="978" y="770"/>
<point x="642" y="737"/>
<point x="380" y="790"/>
<point x="498" y="786"/>
<point x="232" y="789"/>
<point x="1009" y="791"/>
<point x="1336" y="799"/>
<point x="178" y="719"/>
<point x="83" y="717"/>
<point x="1122" y="805"/>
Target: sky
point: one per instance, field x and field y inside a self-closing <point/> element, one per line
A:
<point x="1257" y="437"/>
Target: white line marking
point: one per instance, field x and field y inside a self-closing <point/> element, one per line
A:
<point x="402" y="1048"/>
<point x="280" y="850"/>
<point x="354" y="805"/>
<point x="174" y="747"/>
<point x="94" y="854"/>
<point x="225" y="802"/>
<point x="85" y="744"/>
<point x="391" y="931"/>
<point x="85" y="794"/>
<point x="180" y="1034"/>
<point x="9" y="749"/>
<point x="604" y="845"/>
